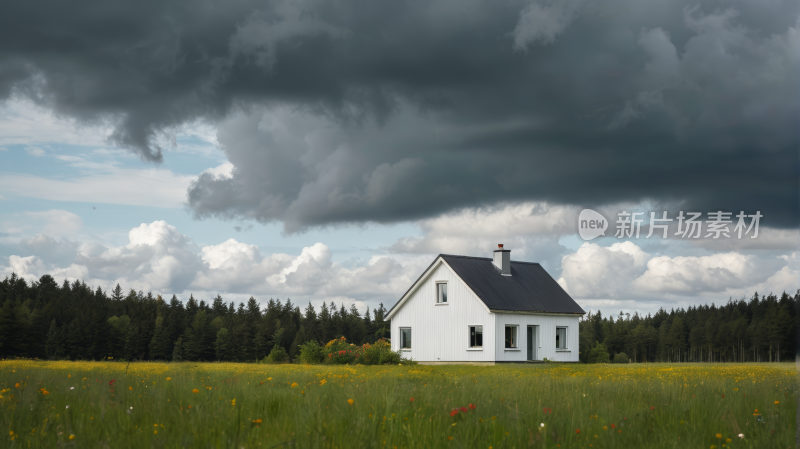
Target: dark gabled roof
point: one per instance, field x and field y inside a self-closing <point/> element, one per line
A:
<point x="529" y="288"/>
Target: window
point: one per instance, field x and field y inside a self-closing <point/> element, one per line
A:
<point x="405" y="338"/>
<point x="476" y="336"/>
<point x="511" y="336"/>
<point x="441" y="292"/>
<point x="561" y="338"/>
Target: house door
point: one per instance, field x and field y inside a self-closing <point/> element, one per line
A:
<point x="531" y="342"/>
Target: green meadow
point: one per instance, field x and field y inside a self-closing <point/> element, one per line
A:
<point x="138" y="405"/>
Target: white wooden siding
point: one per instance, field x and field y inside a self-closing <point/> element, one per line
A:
<point x="440" y="333"/>
<point x="546" y="337"/>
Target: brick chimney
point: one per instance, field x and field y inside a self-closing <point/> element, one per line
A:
<point x="502" y="260"/>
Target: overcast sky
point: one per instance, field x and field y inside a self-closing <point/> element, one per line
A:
<point x="329" y="149"/>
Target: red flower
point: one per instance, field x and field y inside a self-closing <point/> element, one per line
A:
<point x="652" y="408"/>
<point x="412" y="400"/>
<point x="577" y="431"/>
<point x="723" y="395"/>
<point x="613" y="426"/>
<point x="547" y="410"/>
<point x="463" y="410"/>
<point x="454" y="413"/>
<point x="472" y="406"/>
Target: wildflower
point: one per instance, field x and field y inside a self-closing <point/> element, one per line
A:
<point x="71" y="388"/>
<point x="723" y="395"/>
<point x="541" y="425"/>
<point x="463" y="410"/>
<point x="719" y="435"/>
<point x="350" y="401"/>
<point x="455" y="412"/>
<point x="69" y="375"/>
<point x="16" y="385"/>
<point x="412" y="400"/>
<point x="605" y="427"/>
<point x="323" y="382"/>
<point x="269" y="378"/>
<point x="577" y="431"/>
<point x="614" y="425"/>
<point x="294" y="384"/>
<point x="131" y="388"/>
<point x="72" y="437"/>
<point x="728" y="440"/>
<point x="547" y="411"/>
<point x="472" y="406"/>
<point x="449" y="438"/>
<point x="258" y="421"/>
<point x="777" y="402"/>
<point x="619" y="431"/>
<point x="652" y="408"/>
<point x="169" y="378"/>
<point x="741" y="435"/>
<point x="195" y="390"/>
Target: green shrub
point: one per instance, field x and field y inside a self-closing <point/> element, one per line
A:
<point x="311" y="352"/>
<point x="599" y="354"/>
<point x="338" y="351"/>
<point x="277" y="355"/>
<point x="621" y="358"/>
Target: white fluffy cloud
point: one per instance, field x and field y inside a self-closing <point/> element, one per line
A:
<point x="159" y="258"/>
<point x="623" y="272"/>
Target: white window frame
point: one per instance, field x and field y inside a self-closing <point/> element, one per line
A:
<point x="439" y="301"/>
<point x="515" y="340"/>
<point x="469" y="338"/>
<point x="402" y="339"/>
<point x="566" y="338"/>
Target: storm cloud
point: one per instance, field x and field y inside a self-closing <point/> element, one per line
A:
<point x="352" y="111"/>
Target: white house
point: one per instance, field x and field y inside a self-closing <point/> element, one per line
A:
<point x="481" y="310"/>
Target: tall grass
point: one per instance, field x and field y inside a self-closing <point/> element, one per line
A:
<point x="246" y="405"/>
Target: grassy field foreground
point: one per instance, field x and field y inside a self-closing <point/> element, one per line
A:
<point x="97" y="404"/>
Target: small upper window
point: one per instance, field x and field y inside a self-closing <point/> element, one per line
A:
<point x="511" y="336"/>
<point x="561" y="338"/>
<point x="405" y="338"/>
<point x="441" y="292"/>
<point x="476" y="336"/>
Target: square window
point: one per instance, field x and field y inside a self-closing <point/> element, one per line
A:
<point x="561" y="338"/>
<point x="405" y="338"/>
<point x="476" y="336"/>
<point x="441" y="292"/>
<point x="511" y="336"/>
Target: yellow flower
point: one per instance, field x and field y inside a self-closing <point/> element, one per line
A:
<point x="195" y="391"/>
<point x="269" y="378"/>
<point x="728" y="440"/>
<point x="350" y="401"/>
<point x="16" y="384"/>
<point x="719" y="435"/>
<point x="294" y="384"/>
<point x="323" y="382"/>
<point x="605" y="428"/>
<point x="72" y="437"/>
<point x="169" y="378"/>
<point x="69" y="375"/>
<point x="130" y="388"/>
<point x="450" y="438"/>
<point x="258" y="421"/>
<point x="777" y="402"/>
<point x="10" y="433"/>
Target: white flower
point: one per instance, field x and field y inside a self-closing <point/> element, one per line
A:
<point x="68" y="406"/>
<point x="542" y="424"/>
<point x="741" y="435"/>
<point x="131" y="408"/>
<point x="71" y="388"/>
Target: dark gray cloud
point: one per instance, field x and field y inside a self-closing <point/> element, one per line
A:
<point x="350" y="111"/>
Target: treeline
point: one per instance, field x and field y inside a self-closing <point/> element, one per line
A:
<point x="44" y="320"/>
<point x="761" y="329"/>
